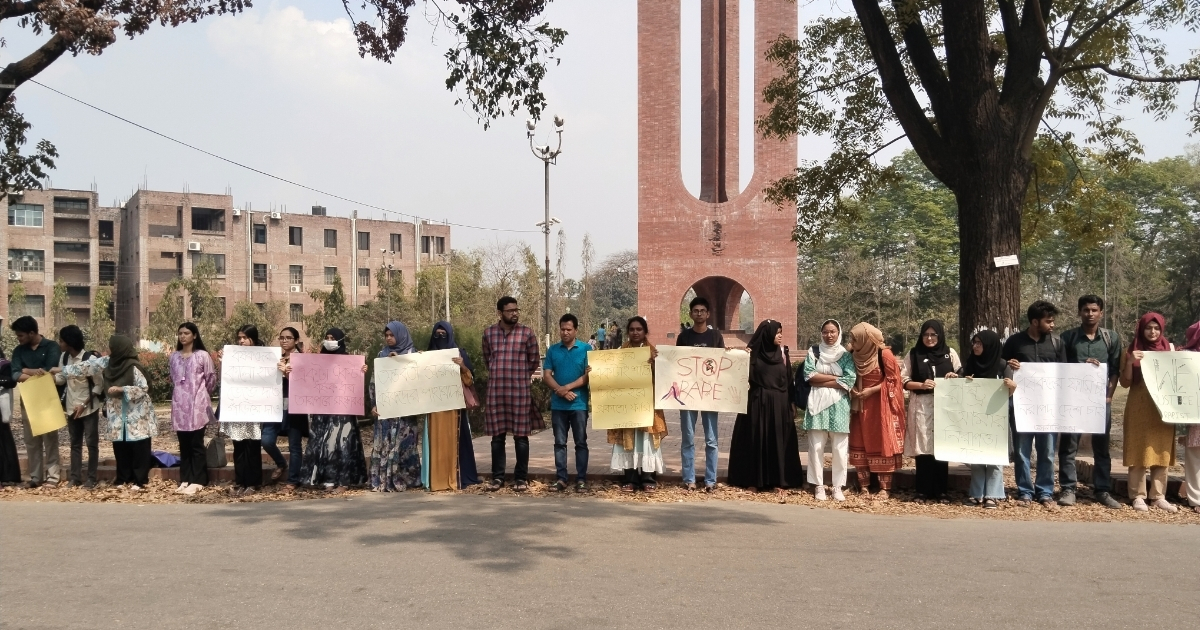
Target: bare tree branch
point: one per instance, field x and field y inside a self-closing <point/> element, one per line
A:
<point x="1129" y="75"/>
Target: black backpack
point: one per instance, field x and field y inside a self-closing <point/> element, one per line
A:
<point x="800" y="385"/>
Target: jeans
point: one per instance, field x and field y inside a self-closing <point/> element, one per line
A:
<point x="1043" y="487"/>
<point x="575" y="421"/>
<point x="270" y="437"/>
<point x="83" y="431"/>
<point x="687" y="448"/>
<point x="1068" y="448"/>
<point x="521" y="446"/>
<point x="987" y="482"/>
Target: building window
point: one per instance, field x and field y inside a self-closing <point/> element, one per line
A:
<point x="260" y="273"/>
<point x="208" y="219"/>
<point x="35" y="306"/>
<point x="79" y="294"/>
<point x="330" y="274"/>
<point x="433" y="245"/>
<point x="108" y="272"/>
<point x="217" y="260"/>
<point x="105" y="232"/>
<point x="260" y="233"/>
<point x="396" y="243"/>
<point x="262" y="306"/>
<point x="296" y="275"/>
<point x="295" y="236"/>
<point x="364" y="277"/>
<point x="25" y="215"/>
<point x="331" y="238"/>
<point x="26" y="260"/>
<point x="364" y="241"/>
<point x="71" y="250"/>
<point x="295" y="312"/>
<point x="70" y="205"/>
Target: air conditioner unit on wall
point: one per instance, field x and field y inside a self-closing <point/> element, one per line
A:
<point x="237" y="212"/>
<point x="276" y="216"/>
<point x="194" y="246"/>
<point x="296" y="288"/>
<point x="14" y="275"/>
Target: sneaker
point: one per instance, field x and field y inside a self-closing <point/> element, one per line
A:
<point x="182" y="486"/>
<point x="134" y="487"/>
<point x="192" y="489"/>
<point x="837" y="495"/>
<point x="819" y="493"/>
<point x="1024" y="500"/>
<point x="1066" y="498"/>
<point x="1139" y="504"/>
<point x="89" y="484"/>
<point x="1165" y="505"/>
<point x="1106" y="499"/>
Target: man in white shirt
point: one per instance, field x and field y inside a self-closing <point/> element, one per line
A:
<point x="82" y="405"/>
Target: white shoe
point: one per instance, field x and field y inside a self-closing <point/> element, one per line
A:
<point x="837" y="495"/>
<point x="1139" y="504"/>
<point x="135" y="487"/>
<point x="819" y="493"/>
<point x="192" y="489"/>
<point x="1163" y="504"/>
<point x="183" y="485"/>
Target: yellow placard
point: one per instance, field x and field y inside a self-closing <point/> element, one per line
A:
<point x="621" y="386"/>
<point x="40" y="398"/>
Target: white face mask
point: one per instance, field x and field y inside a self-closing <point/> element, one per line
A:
<point x="330" y="345"/>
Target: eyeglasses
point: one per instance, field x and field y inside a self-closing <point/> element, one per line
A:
<point x="509" y="311"/>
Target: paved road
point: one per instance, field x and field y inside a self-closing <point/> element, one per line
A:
<point x="478" y="562"/>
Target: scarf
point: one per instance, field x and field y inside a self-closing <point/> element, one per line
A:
<point x="1140" y="343"/>
<point x="867" y="341"/>
<point x="122" y="359"/>
<point x="831" y="354"/>
<point x="929" y="363"/>
<point x="447" y="343"/>
<point x="762" y="344"/>
<point x="1192" y="339"/>
<point x="828" y="361"/>
<point x="339" y="337"/>
<point x="988" y="364"/>
<point x="404" y="342"/>
<point x="657" y="431"/>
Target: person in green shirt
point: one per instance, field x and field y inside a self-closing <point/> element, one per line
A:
<point x="33" y="357"/>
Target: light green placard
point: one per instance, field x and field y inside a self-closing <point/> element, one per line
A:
<point x="1173" y="379"/>
<point x="970" y="421"/>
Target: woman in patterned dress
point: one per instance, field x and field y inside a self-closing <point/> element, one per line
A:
<point x="333" y="458"/>
<point x="193" y="380"/>
<point x="829" y="370"/>
<point x="395" y="454"/>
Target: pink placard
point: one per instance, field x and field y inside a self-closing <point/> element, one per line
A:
<point x="326" y="384"/>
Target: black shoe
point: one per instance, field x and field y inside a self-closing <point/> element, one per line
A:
<point x="1105" y="499"/>
<point x="31" y="484"/>
<point x="1066" y="498"/>
<point x="89" y="484"/>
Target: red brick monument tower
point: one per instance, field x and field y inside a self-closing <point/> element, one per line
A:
<point x="725" y="243"/>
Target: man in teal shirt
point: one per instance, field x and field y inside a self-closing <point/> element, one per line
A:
<point x="565" y="372"/>
<point x="33" y="357"/>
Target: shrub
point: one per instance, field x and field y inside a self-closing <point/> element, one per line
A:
<point x="158" y="372"/>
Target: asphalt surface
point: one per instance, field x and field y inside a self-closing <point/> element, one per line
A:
<point x="461" y="561"/>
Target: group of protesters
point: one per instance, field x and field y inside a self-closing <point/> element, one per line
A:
<point x="870" y="408"/>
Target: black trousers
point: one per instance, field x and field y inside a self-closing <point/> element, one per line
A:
<point x="247" y="463"/>
<point x="932" y="477"/>
<point x="193" y="461"/>
<point x="133" y="461"/>
<point x="521" y="446"/>
<point x="83" y="431"/>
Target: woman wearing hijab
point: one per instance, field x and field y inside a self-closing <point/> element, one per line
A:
<point x="193" y="380"/>
<point x="987" y="481"/>
<point x="447" y="441"/>
<point x="638" y="452"/>
<point x="929" y="360"/>
<point x="333" y="458"/>
<point x="876" y="410"/>
<point x="1149" y="442"/>
<point x="10" y="466"/>
<point x="830" y="372"/>
<point x="395" y="456"/>
<point x="764" y="451"/>
<point x="1191" y="443"/>
<point x="130" y="413"/>
<point x="246" y="436"/>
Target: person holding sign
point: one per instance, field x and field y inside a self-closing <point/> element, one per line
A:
<point x="764" y="451"/>
<point x="1191" y="443"/>
<point x="511" y="353"/>
<point x="700" y="335"/>
<point x="929" y="359"/>
<point x="295" y="425"/>
<point x="193" y="380"/>
<point x="565" y="373"/>
<point x="395" y="454"/>
<point x="334" y="457"/>
<point x="987" y="480"/>
<point x="131" y="422"/>
<point x="454" y="456"/>
<point x="876" y="410"/>
<point x="830" y="372"/>
<point x="246" y="436"/>
<point x="638" y="452"/>
<point x="34" y="356"/>
<point x="1149" y="442"/>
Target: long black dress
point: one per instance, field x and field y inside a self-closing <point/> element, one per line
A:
<point x="764" y="451"/>
<point x="10" y="466"/>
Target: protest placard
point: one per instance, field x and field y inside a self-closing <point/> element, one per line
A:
<point x="418" y="383"/>
<point x="251" y="384"/>
<point x="326" y="384"/>
<point x="1060" y="398"/>
<point x="1173" y="379"/>
<point x="970" y="421"/>
<point x="621" y="386"/>
<point x="40" y="398"/>
<point x="701" y="379"/>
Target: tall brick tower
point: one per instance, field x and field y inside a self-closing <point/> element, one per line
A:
<point x="725" y="243"/>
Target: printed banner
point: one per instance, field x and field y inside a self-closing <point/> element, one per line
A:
<point x="970" y="421"/>
<point x="251" y="384"/>
<point x="1173" y="379"/>
<point x="326" y="384"/>
<point x="621" y="385"/>
<point x="701" y="379"/>
<point x="1060" y="397"/>
<point x="40" y="398"/>
<point x="418" y="383"/>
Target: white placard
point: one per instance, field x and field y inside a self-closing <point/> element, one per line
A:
<point x="1006" y="261"/>
<point x="418" y="383"/>
<point x="701" y="379"/>
<point x="1060" y="397"/>
<point x="251" y="384"/>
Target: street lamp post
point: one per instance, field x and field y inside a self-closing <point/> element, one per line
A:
<point x="547" y="157"/>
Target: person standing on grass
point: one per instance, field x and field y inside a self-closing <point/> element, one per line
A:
<point x="1191" y="443"/>
<point x="929" y="360"/>
<point x="984" y="361"/>
<point x="1089" y="343"/>
<point x="1035" y="344"/>
<point x="1149" y="442"/>
<point x="830" y="372"/>
<point x="700" y="335"/>
<point x="34" y="356"/>
<point x="565" y="373"/>
<point x="81" y="402"/>
<point x="193" y="380"/>
<point x="295" y="426"/>
<point x="510" y="351"/>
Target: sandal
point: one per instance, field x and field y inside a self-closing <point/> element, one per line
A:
<point x="495" y="485"/>
<point x="650" y="486"/>
<point x="971" y="502"/>
<point x="627" y="487"/>
<point x="520" y="486"/>
<point x="990" y="504"/>
<point x="558" y="486"/>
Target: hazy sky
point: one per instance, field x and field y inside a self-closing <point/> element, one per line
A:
<point x="281" y="88"/>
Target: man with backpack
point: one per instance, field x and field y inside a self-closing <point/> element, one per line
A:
<point x="1089" y="343"/>
<point x="81" y="402"/>
<point x="1036" y="344"/>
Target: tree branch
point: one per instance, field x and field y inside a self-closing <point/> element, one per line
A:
<point x="16" y="8"/>
<point x="1141" y="78"/>
<point x="16" y="73"/>
<point x="1104" y="19"/>
<point x="1070" y="24"/>
<point x="925" y="62"/>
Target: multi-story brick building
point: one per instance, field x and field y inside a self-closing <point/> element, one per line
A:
<point x="58" y="235"/>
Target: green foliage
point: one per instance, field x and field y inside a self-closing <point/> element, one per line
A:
<point x="158" y="372"/>
<point x="268" y="319"/>
<point x="165" y="320"/>
<point x="100" y="326"/>
<point x="16" y="308"/>
<point x="21" y="172"/>
<point x="60" y="314"/>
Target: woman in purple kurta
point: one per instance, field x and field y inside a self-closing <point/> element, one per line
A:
<point x="193" y="380"/>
